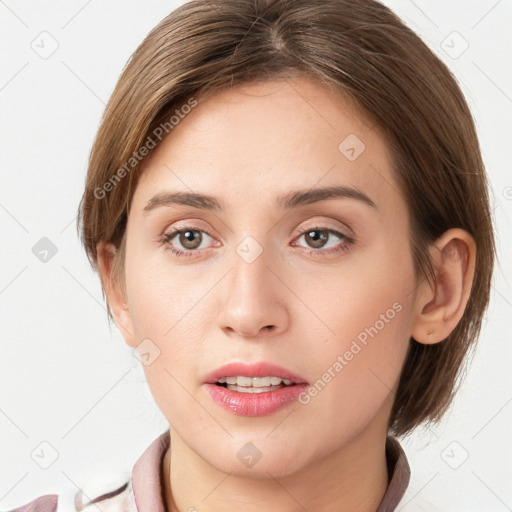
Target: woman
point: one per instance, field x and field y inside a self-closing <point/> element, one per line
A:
<point x="287" y="207"/>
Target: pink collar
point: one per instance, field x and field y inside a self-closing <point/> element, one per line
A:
<point x="146" y="485"/>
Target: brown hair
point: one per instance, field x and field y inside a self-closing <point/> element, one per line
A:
<point x="358" y="48"/>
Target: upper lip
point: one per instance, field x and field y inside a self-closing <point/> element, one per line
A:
<point x="260" y="369"/>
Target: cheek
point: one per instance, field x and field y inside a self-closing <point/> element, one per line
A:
<point x="367" y="307"/>
<point x="162" y="297"/>
<point x="168" y="308"/>
<point x="170" y="312"/>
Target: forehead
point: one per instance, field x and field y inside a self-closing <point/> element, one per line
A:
<point x="261" y="140"/>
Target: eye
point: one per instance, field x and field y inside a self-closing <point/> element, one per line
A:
<point x="189" y="238"/>
<point x="318" y="238"/>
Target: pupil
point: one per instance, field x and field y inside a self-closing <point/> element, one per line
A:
<point x="319" y="239"/>
<point x="189" y="239"/>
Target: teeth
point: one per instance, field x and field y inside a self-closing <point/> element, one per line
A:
<point x="259" y="382"/>
<point x="250" y="389"/>
<point x="253" y="382"/>
<point x="244" y="381"/>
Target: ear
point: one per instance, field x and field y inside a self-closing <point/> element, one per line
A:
<point x="117" y="300"/>
<point x="438" y="311"/>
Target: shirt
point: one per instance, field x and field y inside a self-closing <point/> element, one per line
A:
<point x="143" y="489"/>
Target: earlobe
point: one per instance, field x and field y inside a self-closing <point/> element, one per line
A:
<point x="115" y="296"/>
<point x="438" y="309"/>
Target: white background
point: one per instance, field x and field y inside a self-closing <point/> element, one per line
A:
<point x="67" y="379"/>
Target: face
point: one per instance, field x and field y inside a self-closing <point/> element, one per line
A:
<point x="269" y="272"/>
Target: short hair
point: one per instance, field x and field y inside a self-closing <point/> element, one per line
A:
<point x="364" y="51"/>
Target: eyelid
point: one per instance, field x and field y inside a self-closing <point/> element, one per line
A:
<point x="321" y="225"/>
<point x="192" y="224"/>
<point x="327" y="225"/>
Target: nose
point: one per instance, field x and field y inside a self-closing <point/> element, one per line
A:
<point x="253" y="298"/>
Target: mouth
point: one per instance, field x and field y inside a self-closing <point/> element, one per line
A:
<point x="254" y="389"/>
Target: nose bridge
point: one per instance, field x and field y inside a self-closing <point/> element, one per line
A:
<point x="250" y="275"/>
<point x="252" y="298"/>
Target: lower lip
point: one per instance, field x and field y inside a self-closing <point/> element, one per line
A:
<point x="255" y="404"/>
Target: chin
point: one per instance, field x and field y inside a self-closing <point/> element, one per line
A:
<point x="259" y="459"/>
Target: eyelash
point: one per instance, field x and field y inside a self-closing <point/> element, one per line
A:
<point x="349" y="241"/>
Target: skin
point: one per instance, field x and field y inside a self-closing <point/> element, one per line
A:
<point x="247" y="146"/>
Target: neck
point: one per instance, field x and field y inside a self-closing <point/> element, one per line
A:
<point x="354" y="477"/>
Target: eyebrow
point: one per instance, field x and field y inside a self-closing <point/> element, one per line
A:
<point x="287" y="201"/>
